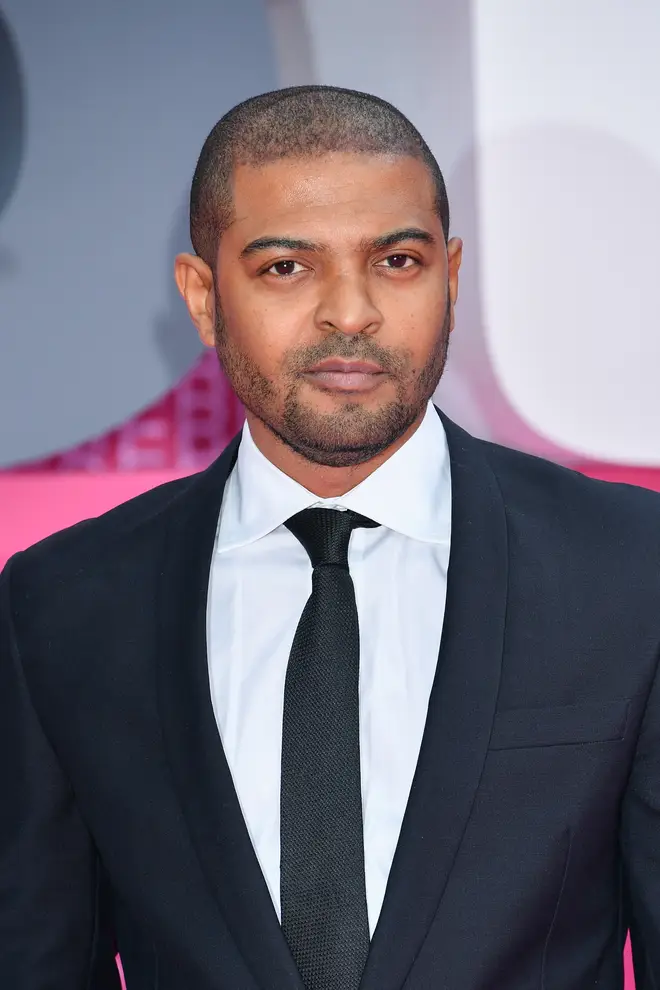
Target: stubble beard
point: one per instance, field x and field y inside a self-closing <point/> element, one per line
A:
<point x="352" y="434"/>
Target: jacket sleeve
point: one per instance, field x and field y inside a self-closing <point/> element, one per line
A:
<point x="53" y="932"/>
<point x="640" y="847"/>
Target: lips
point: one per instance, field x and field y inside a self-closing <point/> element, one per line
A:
<point x="346" y="367"/>
<point x="336" y="375"/>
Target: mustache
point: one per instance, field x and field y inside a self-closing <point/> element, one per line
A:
<point x="338" y="345"/>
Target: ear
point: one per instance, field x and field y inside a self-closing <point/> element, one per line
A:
<point x="194" y="280"/>
<point x="454" y="258"/>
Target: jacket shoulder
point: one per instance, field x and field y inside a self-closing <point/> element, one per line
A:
<point x="534" y="485"/>
<point x="105" y="531"/>
<point x="70" y="571"/>
<point x="79" y="563"/>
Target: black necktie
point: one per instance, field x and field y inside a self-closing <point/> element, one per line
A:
<point x="323" y="894"/>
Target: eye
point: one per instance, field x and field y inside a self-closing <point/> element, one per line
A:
<point x="284" y="268"/>
<point x="398" y="261"/>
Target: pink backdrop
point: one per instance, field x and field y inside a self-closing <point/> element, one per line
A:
<point x="178" y="435"/>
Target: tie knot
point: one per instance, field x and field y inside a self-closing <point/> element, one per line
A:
<point x="325" y="533"/>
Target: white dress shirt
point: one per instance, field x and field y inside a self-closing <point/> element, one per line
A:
<point x="261" y="578"/>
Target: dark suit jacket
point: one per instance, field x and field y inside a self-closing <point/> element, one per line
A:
<point x="531" y="841"/>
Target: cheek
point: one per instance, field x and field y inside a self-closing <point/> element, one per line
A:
<point x="415" y="324"/>
<point x="256" y="334"/>
<point x="265" y="328"/>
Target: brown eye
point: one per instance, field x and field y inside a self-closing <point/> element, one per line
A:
<point x="284" y="268"/>
<point x="399" y="261"/>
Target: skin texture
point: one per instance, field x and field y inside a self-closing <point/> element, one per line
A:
<point x="334" y="290"/>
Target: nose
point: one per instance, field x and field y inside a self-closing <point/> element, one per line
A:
<point x="347" y="306"/>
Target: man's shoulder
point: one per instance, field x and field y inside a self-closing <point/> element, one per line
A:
<point x="540" y="487"/>
<point x="588" y="548"/>
<point x="85" y="546"/>
<point x="81" y="575"/>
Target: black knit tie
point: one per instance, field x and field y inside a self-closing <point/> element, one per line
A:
<point x="323" y="894"/>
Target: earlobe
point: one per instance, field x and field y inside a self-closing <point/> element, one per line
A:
<point x="194" y="281"/>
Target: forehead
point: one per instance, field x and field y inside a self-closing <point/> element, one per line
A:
<point x="368" y="192"/>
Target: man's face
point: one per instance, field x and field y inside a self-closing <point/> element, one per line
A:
<point x="334" y="301"/>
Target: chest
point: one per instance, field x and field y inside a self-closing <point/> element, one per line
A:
<point x="257" y="594"/>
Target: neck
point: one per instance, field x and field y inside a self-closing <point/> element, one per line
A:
<point x="320" y="479"/>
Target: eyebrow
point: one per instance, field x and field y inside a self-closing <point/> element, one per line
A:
<point x="288" y="243"/>
<point x="390" y="239"/>
<point x="403" y="234"/>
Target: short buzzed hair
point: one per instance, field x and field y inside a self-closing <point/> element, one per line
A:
<point x="298" y="122"/>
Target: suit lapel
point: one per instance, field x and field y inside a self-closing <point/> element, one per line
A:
<point x="200" y="770"/>
<point x="460" y="715"/>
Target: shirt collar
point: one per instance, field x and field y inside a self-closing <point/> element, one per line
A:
<point x="409" y="493"/>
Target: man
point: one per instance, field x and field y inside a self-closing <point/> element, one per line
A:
<point x="367" y="703"/>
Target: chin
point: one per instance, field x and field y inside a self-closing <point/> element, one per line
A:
<point x="340" y="401"/>
<point x="344" y="432"/>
